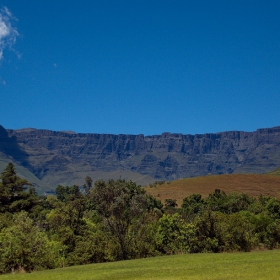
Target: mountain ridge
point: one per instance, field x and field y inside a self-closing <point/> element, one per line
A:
<point x="65" y="157"/>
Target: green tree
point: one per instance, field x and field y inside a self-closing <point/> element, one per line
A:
<point x="23" y="247"/>
<point x="94" y="245"/>
<point x="192" y="205"/>
<point x="67" y="193"/>
<point x="88" y="185"/>
<point x="234" y="232"/>
<point x="170" y="206"/>
<point x="237" y="202"/>
<point x="13" y="195"/>
<point x="65" y="221"/>
<point x="169" y="202"/>
<point x="121" y="204"/>
<point x="215" y="201"/>
<point x="207" y="234"/>
<point x="174" y="235"/>
<point x="273" y="207"/>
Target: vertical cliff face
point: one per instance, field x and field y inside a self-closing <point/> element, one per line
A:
<point x="71" y="156"/>
<point x="10" y="147"/>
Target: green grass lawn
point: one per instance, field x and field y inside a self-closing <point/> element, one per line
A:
<point x="254" y="265"/>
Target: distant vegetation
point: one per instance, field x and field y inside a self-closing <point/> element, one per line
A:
<point x="118" y="220"/>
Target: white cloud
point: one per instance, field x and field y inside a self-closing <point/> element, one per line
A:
<point x="3" y="82"/>
<point x="8" y="33"/>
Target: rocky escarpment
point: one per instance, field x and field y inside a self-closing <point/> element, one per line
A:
<point x="65" y="157"/>
<point x="9" y="146"/>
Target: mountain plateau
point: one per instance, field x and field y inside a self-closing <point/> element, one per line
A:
<point x="55" y="157"/>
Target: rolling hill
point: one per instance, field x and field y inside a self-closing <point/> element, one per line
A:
<point x="251" y="184"/>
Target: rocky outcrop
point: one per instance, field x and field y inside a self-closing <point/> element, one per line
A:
<point x="159" y="157"/>
<point x="9" y="147"/>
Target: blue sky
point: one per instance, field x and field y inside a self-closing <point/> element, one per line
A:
<point x="140" y="67"/>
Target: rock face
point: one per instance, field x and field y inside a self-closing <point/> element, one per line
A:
<point x="67" y="157"/>
<point x="9" y="146"/>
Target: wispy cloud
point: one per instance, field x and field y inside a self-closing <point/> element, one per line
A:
<point x="8" y="33"/>
<point x="3" y="82"/>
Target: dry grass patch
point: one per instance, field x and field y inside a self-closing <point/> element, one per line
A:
<point x="251" y="184"/>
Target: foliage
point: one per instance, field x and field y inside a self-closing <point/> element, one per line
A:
<point x="88" y="185"/>
<point x="117" y="220"/>
<point x="94" y="246"/>
<point x="25" y="248"/>
<point x="13" y="197"/>
<point x="192" y="205"/>
<point x="175" y="236"/>
<point x="121" y="204"/>
<point x="67" y="193"/>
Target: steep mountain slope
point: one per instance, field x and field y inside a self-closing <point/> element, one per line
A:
<point x="67" y="157"/>
<point x="40" y="186"/>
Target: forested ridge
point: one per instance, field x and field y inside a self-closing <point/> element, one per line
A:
<point x="114" y="220"/>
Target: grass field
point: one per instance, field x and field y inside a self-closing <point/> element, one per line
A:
<point x="252" y="184"/>
<point x="254" y="265"/>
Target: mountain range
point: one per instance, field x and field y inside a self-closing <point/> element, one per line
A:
<point x="48" y="158"/>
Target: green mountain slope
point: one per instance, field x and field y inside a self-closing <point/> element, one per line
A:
<point x="40" y="186"/>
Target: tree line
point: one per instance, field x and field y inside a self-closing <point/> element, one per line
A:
<point x="117" y="220"/>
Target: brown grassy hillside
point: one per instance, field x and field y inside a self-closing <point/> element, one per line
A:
<point x="252" y="184"/>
